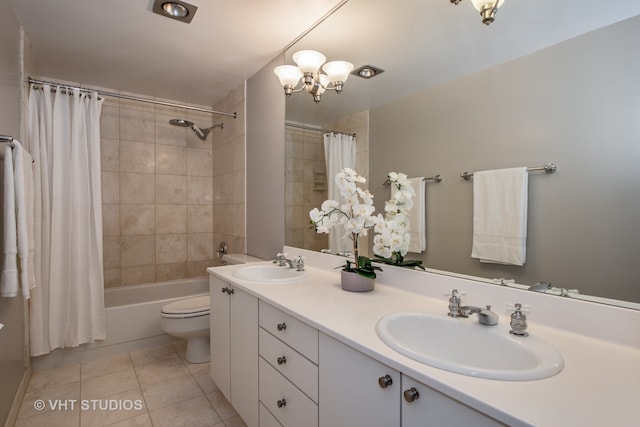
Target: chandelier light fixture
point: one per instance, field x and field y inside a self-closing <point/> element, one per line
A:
<point x="308" y="71"/>
<point x="487" y="8"/>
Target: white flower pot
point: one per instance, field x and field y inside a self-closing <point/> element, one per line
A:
<point x="354" y="282"/>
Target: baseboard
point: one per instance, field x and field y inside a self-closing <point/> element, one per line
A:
<point x="17" y="400"/>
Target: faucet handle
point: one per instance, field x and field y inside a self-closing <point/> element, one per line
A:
<point x="519" y="320"/>
<point x="518" y="307"/>
<point x="299" y="261"/>
<point x="454" y="293"/>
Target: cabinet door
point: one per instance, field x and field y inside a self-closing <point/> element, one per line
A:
<point x="220" y="332"/>
<point x="243" y="343"/>
<point x="350" y="394"/>
<point x="432" y="408"/>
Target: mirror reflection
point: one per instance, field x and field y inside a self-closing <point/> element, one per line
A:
<point x="543" y="84"/>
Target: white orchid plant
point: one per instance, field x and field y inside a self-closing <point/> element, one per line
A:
<point x="391" y="243"/>
<point x="356" y="216"/>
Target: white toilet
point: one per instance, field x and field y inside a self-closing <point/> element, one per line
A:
<point x="189" y="319"/>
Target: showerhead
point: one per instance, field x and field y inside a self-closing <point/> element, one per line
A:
<point x="202" y="133"/>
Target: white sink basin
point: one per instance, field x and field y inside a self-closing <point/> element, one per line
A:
<point x="269" y="273"/>
<point x="464" y="346"/>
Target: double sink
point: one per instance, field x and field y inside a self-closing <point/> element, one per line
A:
<point x="458" y="345"/>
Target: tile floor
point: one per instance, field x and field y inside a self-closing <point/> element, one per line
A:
<point x="149" y="387"/>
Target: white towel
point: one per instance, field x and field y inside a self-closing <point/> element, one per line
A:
<point x="24" y="195"/>
<point x="9" y="281"/>
<point x="418" y="231"/>
<point x="500" y="216"/>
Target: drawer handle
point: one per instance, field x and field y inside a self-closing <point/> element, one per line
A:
<point x="281" y="403"/>
<point x="385" y="381"/>
<point x="225" y="289"/>
<point x="282" y="360"/>
<point x="281" y="326"/>
<point x="231" y="291"/>
<point x="411" y="394"/>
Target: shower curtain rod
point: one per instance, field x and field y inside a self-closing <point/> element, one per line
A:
<point x="306" y="127"/>
<point x="134" y="98"/>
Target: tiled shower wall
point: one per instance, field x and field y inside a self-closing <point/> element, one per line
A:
<point x="163" y="190"/>
<point x="306" y="180"/>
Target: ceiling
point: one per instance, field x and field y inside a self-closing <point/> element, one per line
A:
<point x="423" y="43"/>
<point x="123" y="45"/>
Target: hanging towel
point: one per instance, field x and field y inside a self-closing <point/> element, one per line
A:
<point x="9" y="281"/>
<point x="500" y="216"/>
<point x="418" y="231"/>
<point x="24" y="196"/>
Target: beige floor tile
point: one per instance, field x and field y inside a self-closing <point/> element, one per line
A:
<point x="156" y="372"/>
<point x="193" y="413"/>
<point x="235" y="422"/>
<point x="107" y="365"/>
<point x="51" y="419"/>
<point x="106" y="385"/>
<point x="111" y="409"/>
<point x="221" y="405"/>
<point x="153" y="354"/>
<point x="202" y="376"/>
<point x="53" y="377"/>
<point x="64" y="392"/>
<point x="170" y="392"/>
<point x="140" y="421"/>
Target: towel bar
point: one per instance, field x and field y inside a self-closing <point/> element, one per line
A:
<point x="436" y="178"/>
<point x="548" y="168"/>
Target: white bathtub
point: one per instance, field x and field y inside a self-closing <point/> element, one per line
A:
<point x="132" y="320"/>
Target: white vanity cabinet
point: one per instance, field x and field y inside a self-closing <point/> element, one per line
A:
<point x="234" y="346"/>
<point x="423" y="406"/>
<point x="356" y="390"/>
<point x="288" y="365"/>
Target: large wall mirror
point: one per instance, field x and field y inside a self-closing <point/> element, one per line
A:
<point x="547" y="82"/>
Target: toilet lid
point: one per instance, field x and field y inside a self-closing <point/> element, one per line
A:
<point x="188" y="306"/>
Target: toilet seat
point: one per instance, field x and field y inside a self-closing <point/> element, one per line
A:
<point x="187" y="308"/>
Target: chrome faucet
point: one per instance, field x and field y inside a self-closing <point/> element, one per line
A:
<point x="456" y="309"/>
<point x="540" y="287"/>
<point x="297" y="262"/>
<point x="485" y="315"/>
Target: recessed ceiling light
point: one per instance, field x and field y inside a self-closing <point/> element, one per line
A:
<point x="367" y="71"/>
<point x="175" y="9"/>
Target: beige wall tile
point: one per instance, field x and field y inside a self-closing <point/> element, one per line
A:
<point x="137" y="125"/>
<point x="111" y="220"/>
<point x="137" y="219"/>
<point x="171" y="219"/>
<point x="111" y="277"/>
<point x="175" y="271"/>
<point x="199" y="218"/>
<point x="137" y="250"/>
<point x="199" y="162"/>
<point x="111" y="251"/>
<point x="171" y="160"/>
<point x="169" y="134"/>
<point x="137" y="157"/>
<point x="110" y="154"/>
<point x="199" y="190"/>
<point x="199" y="268"/>
<point x="200" y="246"/>
<point x="110" y="187"/>
<point x="171" y="248"/>
<point x="137" y="188"/>
<point x="137" y="275"/>
<point x="171" y="189"/>
<point x="110" y="122"/>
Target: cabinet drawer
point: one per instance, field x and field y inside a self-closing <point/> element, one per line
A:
<point x="295" y="408"/>
<point x="299" y="370"/>
<point x="266" y="419"/>
<point x="295" y="333"/>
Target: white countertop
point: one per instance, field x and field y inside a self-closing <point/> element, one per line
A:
<point x="599" y="385"/>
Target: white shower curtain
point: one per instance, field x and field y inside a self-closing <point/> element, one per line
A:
<point x="68" y="308"/>
<point x="340" y="153"/>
